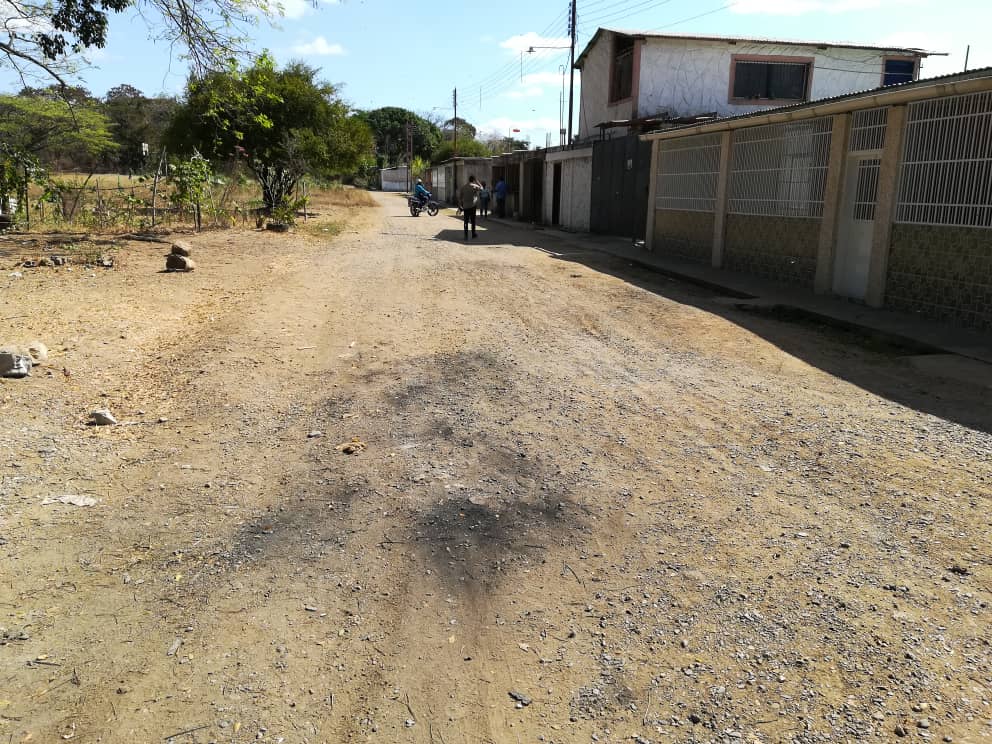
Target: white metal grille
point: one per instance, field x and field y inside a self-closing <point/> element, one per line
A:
<point x="780" y="170"/>
<point x="868" y="129"/>
<point x="866" y="191"/>
<point x="946" y="170"/>
<point x="687" y="173"/>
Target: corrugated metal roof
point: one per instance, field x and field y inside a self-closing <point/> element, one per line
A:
<point x="952" y="77"/>
<point x="911" y="51"/>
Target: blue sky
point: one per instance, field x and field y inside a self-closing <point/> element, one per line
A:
<point x="412" y="54"/>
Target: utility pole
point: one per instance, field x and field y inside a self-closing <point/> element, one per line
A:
<point x="571" y="69"/>
<point x="454" y="143"/>
<point x="409" y="154"/>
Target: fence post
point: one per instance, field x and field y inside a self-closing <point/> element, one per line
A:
<point x="832" y="200"/>
<point x="158" y="170"/>
<point x="722" y="198"/>
<point x="652" y="196"/>
<point x="885" y="207"/>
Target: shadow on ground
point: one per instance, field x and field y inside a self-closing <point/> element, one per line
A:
<point x="884" y="366"/>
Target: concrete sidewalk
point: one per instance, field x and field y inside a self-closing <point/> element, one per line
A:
<point x="913" y="330"/>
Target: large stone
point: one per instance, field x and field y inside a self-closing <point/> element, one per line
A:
<point x="175" y="262"/>
<point x="102" y="417"/>
<point x="38" y="352"/>
<point x="180" y="248"/>
<point x="15" y="364"/>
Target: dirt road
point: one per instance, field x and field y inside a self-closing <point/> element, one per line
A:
<point x="588" y="504"/>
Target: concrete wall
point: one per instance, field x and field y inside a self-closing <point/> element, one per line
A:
<point x="686" y="77"/>
<point x="684" y="234"/>
<point x="781" y="248"/>
<point x="594" y="93"/>
<point x="576" y="188"/>
<point x="394" y="179"/>
<point x="942" y="272"/>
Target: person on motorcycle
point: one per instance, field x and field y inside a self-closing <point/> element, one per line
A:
<point x="421" y="193"/>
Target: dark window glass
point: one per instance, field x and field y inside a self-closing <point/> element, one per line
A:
<point x="621" y="83"/>
<point x="899" y="71"/>
<point x="771" y="81"/>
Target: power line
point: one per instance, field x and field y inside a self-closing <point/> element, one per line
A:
<point x="618" y="13"/>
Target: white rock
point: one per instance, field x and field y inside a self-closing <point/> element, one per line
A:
<point x="102" y="417"/>
<point x="38" y="352"/>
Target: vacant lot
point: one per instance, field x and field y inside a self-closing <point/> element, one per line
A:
<point x="584" y="504"/>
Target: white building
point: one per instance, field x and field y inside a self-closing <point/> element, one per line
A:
<point x="395" y="179"/>
<point x="630" y="76"/>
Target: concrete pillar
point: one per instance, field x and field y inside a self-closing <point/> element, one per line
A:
<point x="722" y="196"/>
<point x="885" y="207"/>
<point x="652" y="195"/>
<point x="833" y="199"/>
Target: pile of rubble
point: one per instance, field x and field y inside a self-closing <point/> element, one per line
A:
<point x="16" y="361"/>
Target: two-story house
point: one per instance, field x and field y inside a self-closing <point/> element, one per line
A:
<point x="633" y="79"/>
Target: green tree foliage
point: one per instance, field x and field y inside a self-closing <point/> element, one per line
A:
<point x="284" y="123"/>
<point x="469" y="148"/>
<point x="388" y="125"/>
<point x="45" y="39"/>
<point x="137" y="120"/>
<point x="464" y="129"/>
<point x="54" y="132"/>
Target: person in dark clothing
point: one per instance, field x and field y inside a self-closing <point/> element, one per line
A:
<point x="500" y="191"/>
<point x="468" y="200"/>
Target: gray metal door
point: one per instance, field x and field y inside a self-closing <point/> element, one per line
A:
<point x="620" y="176"/>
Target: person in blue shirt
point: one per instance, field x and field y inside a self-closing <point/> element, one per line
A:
<point x="422" y="194"/>
<point x="500" y="192"/>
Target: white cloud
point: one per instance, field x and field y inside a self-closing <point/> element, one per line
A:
<point x="531" y="92"/>
<point x="801" y="7"/>
<point x="504" y="124"/>
<point x="319" y="47"/>
<point x="523" y="42"/>
<point x="543" y="78"/>
<point x="298" y="8"/>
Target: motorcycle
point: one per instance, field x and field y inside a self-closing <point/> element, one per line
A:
<point x="417" y="206"/>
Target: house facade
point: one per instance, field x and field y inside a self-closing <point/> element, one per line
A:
<point x="631" y="77"/>
<point x="883" y="197"/>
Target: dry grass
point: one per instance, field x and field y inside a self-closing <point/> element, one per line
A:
<point x="342" y="196"/>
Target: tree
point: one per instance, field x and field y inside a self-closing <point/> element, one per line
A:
<point x="284" y="123"/>
<point x="53" y="131"/>
<point x="462" y="127"/>
<point x="138" y="121"/>
<point x="469" y="148"/>
<point x="45" y="39"/>
<point x="497" y="143"/>
<point x="389" y="127"/>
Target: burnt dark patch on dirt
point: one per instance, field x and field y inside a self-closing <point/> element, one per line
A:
<point x="487" y="496"/>
<point x="305" y="525"/>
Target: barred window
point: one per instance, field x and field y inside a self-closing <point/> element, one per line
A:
<point x="946" y="172"/>
<point x="780" y="170"/>
<point x="688" y="169"/>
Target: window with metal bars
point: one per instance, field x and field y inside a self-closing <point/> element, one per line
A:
<point x="688" y="169"/>
<point x="780" y="170"/>
<point x="946" y="171"/>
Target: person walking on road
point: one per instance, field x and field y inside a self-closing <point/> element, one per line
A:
<point x="501" y="198"/>
<point x="468" y="200"/>
<point x="484" y="195"/>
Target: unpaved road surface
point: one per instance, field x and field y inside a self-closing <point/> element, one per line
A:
<point x="647" y="514"/>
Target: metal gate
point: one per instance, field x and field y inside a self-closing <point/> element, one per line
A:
<point x="620" y="178"/>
